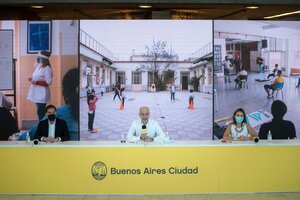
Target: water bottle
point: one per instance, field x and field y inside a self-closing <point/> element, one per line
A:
<point x="27" y="138"/>
<point x="269" y="136"/>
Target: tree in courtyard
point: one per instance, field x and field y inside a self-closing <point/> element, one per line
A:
<point x="160" y="62"/>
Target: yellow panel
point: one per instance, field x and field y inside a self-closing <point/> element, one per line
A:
<point x="140" y="158"/>
<point x="260" y="169"/>
<point x="34" y="170"/>
<point x="220" y="169"/>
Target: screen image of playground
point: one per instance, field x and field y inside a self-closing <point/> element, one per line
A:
<point x="161" y="67"/>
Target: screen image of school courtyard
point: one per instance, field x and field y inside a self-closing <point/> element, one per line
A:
<point x="146" y="60"/>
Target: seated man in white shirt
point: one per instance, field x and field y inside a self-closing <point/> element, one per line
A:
<point x="242" y="75"/>
<point x="145" y="129"/>
<point x="52" y="129"/>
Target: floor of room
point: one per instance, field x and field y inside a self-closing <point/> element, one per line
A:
<point x="229" y="98"/>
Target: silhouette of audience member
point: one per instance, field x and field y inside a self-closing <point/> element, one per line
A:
<point x="280" y="128"/>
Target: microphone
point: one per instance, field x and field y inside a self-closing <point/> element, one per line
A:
<point x="35" y="142"/>
<point x="144" y="130"/>
<point x="256" y="140"/>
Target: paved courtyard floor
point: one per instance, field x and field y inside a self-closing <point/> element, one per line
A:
<point x="174" y="117"/>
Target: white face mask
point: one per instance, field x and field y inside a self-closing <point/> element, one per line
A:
<point x="36" y="64"/>
<point x="37" y="61"/>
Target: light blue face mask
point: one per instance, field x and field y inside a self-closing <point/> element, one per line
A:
<point x="239" y="119"/>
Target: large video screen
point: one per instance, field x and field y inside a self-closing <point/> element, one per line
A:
<point x="255" y="52"/>
<point x="39" y="66"/>
<point x="146" y="79"/>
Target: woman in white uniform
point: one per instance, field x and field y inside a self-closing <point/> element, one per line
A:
<point x="41" y="79"/>
<point x="239" y="129"/>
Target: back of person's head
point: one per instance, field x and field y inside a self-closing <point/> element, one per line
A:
<point x="49" y="107"/>
<point x="279" y="72"/>
<point x="90" y="97"/>
<point x="276" y="65"/>
<point x="191" y="90"/>
<point x="70" y="91"/>
<point x="278" y="109"/>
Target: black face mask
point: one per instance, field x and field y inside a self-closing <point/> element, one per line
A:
<point x="52" y="117"/>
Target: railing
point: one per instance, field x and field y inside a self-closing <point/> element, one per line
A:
<point x="205" y="50"/>
<point x="93" y="44"/>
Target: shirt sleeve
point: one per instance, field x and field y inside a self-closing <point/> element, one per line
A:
<point x="41" y="83"/>
<point x="131" y="133"/>
<point x="38" y="133"/>
<point x="48" y="75"/>
<point x="65" y="133"/>
<point x="263" y="132"/>
<point x="292" y="131"/>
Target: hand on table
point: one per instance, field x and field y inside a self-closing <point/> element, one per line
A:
<point x="50" y="139"/>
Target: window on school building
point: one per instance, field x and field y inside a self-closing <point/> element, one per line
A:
<point x="136" y="77"/>
<point x="120" y="77"/>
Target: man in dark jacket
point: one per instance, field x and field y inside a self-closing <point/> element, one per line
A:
<point x="52" y="129"/>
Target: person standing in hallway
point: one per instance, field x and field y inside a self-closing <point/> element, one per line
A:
<point x="237" y="63"/>
<point x="227" y="65"/>
<point x="41" y="79"/>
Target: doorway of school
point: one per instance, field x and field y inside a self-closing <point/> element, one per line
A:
<point x="184" y="80"/>
<point x="243" y="49"/>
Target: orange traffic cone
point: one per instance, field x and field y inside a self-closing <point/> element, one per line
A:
<point x="121" y="105"/>
<point x="191" y="105"/>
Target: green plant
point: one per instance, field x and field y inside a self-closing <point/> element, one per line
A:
<point x="195" y="82"/>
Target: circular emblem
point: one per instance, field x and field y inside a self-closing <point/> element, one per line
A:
<point x="99" y="170"/>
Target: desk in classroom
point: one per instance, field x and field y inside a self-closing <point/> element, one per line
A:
<point x="255" y="122"/>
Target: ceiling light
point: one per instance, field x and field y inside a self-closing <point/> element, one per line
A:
<point x="145" y="6"/>
<point x="283" y="14"/>
<point x="252" y="7"/>
<point x="37" y="6"/>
